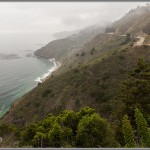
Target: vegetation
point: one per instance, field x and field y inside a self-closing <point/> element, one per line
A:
<point x="146" y="29"/>
<point x="136" y="89"/>
<point x="128" y="132"/>
<point x="147" y="40"/>
<point x="84" y="128"/>
<point x="142" y="129"/>
<point x="127" y="39"/>
<point x="82" y="53"/>
<point x="93" y="50"/>
<point x="108" y="74"/>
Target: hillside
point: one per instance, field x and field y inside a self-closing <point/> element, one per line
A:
<point x="100" y="64"/>
<point x="135" y="21"/>
<point x="62" y="47"/>
<point x="95" y="68"/>
<point x="92" y="84"/>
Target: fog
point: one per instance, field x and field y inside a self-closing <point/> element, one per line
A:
<point x="23" y="25"/>
<point x="59" y="16"/>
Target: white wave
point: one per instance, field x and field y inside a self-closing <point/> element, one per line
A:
<point x="52" y="69"/>
<point x="1" y="110"/>
<point x="38" y="79"/>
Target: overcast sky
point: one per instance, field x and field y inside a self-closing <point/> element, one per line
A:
<point x="58" y="16"/>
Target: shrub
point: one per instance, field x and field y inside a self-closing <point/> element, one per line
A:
<point x="46" y="92"/>
<point x="93" y="50"/>
<point x="82" y="53"/>
<point x="106" y="76"/>
<point x="121" y="57"/>
<point x="94" y="131"/>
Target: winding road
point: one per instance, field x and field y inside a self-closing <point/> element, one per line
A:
<point x="140" y="41"/>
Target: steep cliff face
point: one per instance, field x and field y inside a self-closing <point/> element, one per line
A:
<point x="61" y="47"/>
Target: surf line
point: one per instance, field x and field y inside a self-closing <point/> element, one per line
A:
<point x="52" y="69"/>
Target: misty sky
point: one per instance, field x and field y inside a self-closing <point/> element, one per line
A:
<point x="58" y="16"/>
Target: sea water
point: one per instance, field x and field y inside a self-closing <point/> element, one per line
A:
<point x="19" y="70"/>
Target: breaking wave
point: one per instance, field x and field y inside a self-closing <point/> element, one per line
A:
<point x="52" y="69"/>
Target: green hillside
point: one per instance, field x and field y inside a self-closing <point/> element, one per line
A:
<point x="60" y="48"/>
<point x="109" y="73"/>
<point x="68" y="87"/>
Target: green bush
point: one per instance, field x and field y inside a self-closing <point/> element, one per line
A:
<point x="84" y="128"/>
<point x="94" y="131"/>
<point x="56" y="135"/>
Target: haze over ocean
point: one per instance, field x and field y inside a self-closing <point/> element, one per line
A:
<point x="17" y="71"/>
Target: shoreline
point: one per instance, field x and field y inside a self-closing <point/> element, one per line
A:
<point x="39" y="80"/>
<point x="45" y="76"/>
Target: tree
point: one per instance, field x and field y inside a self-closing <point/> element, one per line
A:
<point x="55" y="135"/>
<point x="38" y="139"/>
<point x="28" y="134"/>
<point x="142" y="128"/>
<point x="48" y="122"/>
<point x="136" y="90"/>
<point x="69" y="137"/>
<point x="86" y="111"/>
<point x="128" y="132"/>
<point x="69" y="119"/>
<point x="93" y="50"/>
<point x="94" y="131"/>
<point x="127" y="39"/>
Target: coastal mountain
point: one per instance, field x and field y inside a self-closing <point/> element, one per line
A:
<point x="64" y="34"/>
<point x="96" y="66"/>
<point x="61" y="47"/>
<point x="100" y="64"/>
<point x="135" y="21"/>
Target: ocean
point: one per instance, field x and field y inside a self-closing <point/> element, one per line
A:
<point x="19" y="70"/>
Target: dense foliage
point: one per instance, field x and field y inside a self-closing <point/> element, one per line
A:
<point x="136" y="90"/>
<point x="85" y="128"/>
<point x="142" y="139"/>
<point x="128" y="132"/>
<point x="142" y="128"/>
